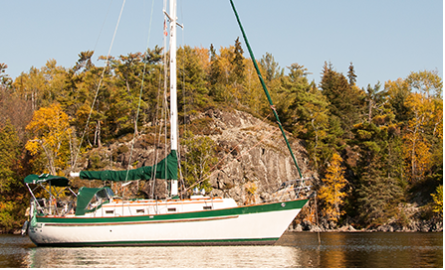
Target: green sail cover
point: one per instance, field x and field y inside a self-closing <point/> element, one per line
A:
<point x="54" y="180"/>
<point x="165" y="169"/>
<point x="86" y="195"/>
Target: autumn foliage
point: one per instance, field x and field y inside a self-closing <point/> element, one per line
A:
<point x="375" y="148"/>
<point x="332" y="192"/>
<point x="51" y="137"/>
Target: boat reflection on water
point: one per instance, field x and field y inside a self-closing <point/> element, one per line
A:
<point x="169" y="257"/>
<point x="336" y="250"/>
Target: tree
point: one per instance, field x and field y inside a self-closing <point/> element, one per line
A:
<point x="398" y="91"/>
<point x="345" y="100"/>
<point x="379" y="168"/>
<point x="438" y="200"/>
<point x="192" y="89"/>
<point x="375" y="99"/>
<point x="423" y="132"/>
<point x="427" y="82"/>
<point x="52" y="137"/>
<point x="200" y="156"/>
<point x="293" y="95"/>
<point x="84" y="61"/>
<point x="238" y="62"/>
<point x="12" y="200"/>
<point x="331" y="192"/>
<point x="351" y="75"/>
<point x="9" y="157"/>
<point x="378" y="194"/>
<point x="5" y="80"/>
<point x="272" y="68"/>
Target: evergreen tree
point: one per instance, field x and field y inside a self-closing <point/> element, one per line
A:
<point x="238" y="63"/>
<point x="5" y="80"/>
<point x="272" y="68"/>
<point x="375" y="99"/>
<point x="379" y="189"/>
<point x="351" y="75"/>
<point x="398" y="92"/>
<point x="192" y="90"/>
<point x="345" y="100"/>
<point x="378" y="194"/>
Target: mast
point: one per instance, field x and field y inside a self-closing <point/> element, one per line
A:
<point x="173" y="90"/>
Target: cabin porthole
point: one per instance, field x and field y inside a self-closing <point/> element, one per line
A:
<point x="283" y="204"/>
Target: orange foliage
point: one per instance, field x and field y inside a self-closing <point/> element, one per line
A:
<point x="330" y="192"/>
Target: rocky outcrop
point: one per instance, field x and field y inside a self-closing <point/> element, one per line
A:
<point x="252" y="155"/>
<point x="251" y="152"/>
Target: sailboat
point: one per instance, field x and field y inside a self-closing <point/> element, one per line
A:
<point x="98" y="217"/>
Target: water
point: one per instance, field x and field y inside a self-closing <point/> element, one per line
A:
<point x="292" y="250"/>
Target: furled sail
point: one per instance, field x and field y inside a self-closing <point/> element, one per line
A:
<point x="165" y="169"/>
<point x="53" y="180"/>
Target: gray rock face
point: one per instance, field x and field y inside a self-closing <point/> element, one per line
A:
<point x="255" y="152"/>
<point x="251" y="153"/>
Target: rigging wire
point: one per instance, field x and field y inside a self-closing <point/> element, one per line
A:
<point x="185" y="109"/>
<point x="100" y="83"/>
<point x="105" y="20"/>
<point x="157" y="138"/>
<point x="237" y="158"/>
<point x="163" y="106"/>
<point x="265" y="88"/>
<point x="164" y="101"/>
<point x="140" y="94"/>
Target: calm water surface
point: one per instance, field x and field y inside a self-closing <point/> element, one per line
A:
<point x="292" y="250"/>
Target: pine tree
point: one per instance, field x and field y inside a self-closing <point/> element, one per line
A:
<point x="351" y="75"/>
<point x="345" y="99"/>
<point x="378" y="190"/>
<point x="238" y="63"/>
<point x="272" y="68"/>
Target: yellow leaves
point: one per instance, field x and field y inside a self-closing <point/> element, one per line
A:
<point x="426" y="121"/>
<point x="203" y="56"/>
<point x="397" y="86"/>
<point x="50" y="127"/>
<point x="331" y="193"/>
<point x="438" y="200"/>
<point x="427" y="82"/>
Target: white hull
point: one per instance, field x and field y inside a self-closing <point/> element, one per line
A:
<point x="257" y="225"/>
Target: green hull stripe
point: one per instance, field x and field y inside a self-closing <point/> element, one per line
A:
<point x="258" y="241"/>
<point x="261" y="208"/>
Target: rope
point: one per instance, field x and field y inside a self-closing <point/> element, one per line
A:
<point x="100" y="84"/>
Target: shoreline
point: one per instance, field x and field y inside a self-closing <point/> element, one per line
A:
<point x="414" y="226"/>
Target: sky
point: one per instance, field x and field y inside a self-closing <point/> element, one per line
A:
<point x="384" y="39"/>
